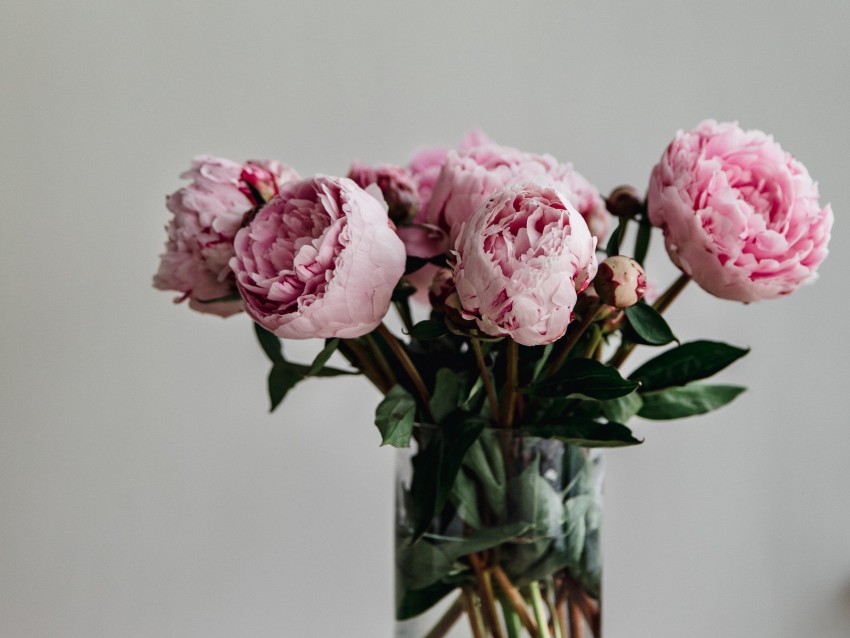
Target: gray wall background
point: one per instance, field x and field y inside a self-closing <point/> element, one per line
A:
<point x="144" y="491"/>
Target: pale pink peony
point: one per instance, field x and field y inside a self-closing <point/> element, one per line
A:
<point x="740" y="215"/>
<point x="520" y="262"/>
<point x="319" y="260"/>
<point x="426" y="163"/>
<point x="469" y="177"/>
<point x="207" y="214"/>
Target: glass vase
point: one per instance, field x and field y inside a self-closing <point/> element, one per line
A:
<point x="513" y="548"/>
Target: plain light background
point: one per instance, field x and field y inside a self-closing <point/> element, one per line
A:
<point x="145" y="491"/>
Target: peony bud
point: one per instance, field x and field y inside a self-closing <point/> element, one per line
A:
<point x="441" y="287"/>
<point x="625" y="201"/>
<point x="620" y="282"/>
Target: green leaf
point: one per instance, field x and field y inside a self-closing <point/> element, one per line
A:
<point x="270" y="343"/>
<point x="436" y="465"/>
<point x="539" y="504"/>
<point x="586" y="433"/>
<point x="642" y="240"/>
<point x="649" y="325"/>
<point x="689" y="400"/>
<point x="403" y="291"/>
<point x="413" y="602"/>
<point x="422" y="563"/>
<point x="448" y="393"/>
<point x="616" y="238"/>
<point x="394" y="417"/>
<point x="689" y="362"/>
<point x="484" y="539"/>
<point x="469" y="401"/>
<point x="429" y="329"/>
<point x="584" y="378"/>
<point x="282" y="378"/>
<point x="621" y="409"/>
<point x="322" y="358"/>
<point x="464" y="496"/>
<point x="327" y="371"/>
<point x="485" y="463"/>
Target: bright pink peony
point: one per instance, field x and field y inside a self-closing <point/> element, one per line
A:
<point x="740" y="215"/>
<point x="207" y="214"/>
<point x="319" y="260"/>
<point x="469" y="177"/>
<point x="521" y="261"/>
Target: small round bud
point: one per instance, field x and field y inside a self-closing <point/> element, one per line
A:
<point x="620" y="282"/>
<point x="454" y="317"/>
<point x="625" y="201"/>
<point x="441" y="287"/>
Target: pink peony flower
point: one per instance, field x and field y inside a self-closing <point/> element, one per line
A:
<point x="423" y="239"/>
<point x="207" y="214"/>
<point x="521" y="261"/>
<point x="740" y="215"/>
<point x="426" y="163"/>
<point x="319" y="260"/>
<point x="469" y="177"/>
<point x="396" y="186"/>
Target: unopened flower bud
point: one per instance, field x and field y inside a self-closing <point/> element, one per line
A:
<point x="441" y="287"/>
<point x="620" y="282"/>
<point x="455" y="321"/>
<point x="625" y="201"/>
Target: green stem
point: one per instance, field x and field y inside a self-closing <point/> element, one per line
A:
<point x="403" y="309"/>
<point x="515" y="599"/>
<point x="558" y="628"/>
<point x="359" y="358"/>
<point x="448" y="620"/>
<point x="485" y="377"/>
<point x="573" y="338"/>
<point x="539" y="610"/>
<point x="488" y="600"/>
<point x="575" y="619"/>
<point x="512" y="621"/>
<point x="511" y="383"/>
<point x="669" y="296"/>
<point x="595" y="341"/>
<point x="476" y="623"/>
<point x="408" y="366"/>
<point x="381" y="360"/>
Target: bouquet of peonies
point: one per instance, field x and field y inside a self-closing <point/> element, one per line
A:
<point x="501" y="396"/>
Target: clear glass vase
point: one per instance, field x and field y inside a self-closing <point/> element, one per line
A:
<point x="514" y="546"/>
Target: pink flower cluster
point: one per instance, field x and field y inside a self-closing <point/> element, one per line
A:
<point x="322" y="256"/>
<point x="207" y="214"/>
